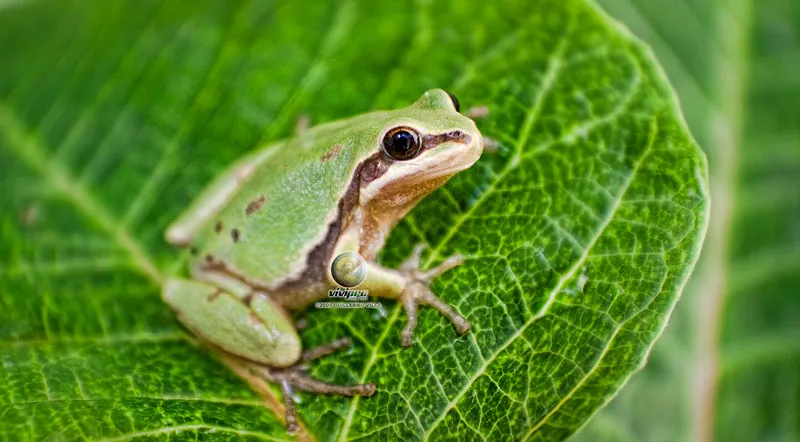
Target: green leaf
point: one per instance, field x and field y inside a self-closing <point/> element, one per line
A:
<point x="727" y="366"/>
<point x="579" y="233"/>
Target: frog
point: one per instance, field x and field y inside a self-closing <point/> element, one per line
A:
<point x="261" y="237"/>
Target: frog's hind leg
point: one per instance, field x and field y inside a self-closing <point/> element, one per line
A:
<point x="297" y="378"/>
<point x="235" y="319"/>
<point x="255" y="336"/>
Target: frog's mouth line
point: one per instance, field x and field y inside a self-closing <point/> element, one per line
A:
<point x="456" y="136"/>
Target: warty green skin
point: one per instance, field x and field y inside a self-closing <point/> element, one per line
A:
<point x="262" y="235"/>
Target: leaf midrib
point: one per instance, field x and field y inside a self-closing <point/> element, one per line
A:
<point x="28" y="148"/>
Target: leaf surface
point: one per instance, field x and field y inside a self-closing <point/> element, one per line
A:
<point x="579" y="233"/>
<point x="727" y="367"/>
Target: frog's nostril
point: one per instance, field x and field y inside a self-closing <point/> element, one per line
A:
<point x="459" y="136"/>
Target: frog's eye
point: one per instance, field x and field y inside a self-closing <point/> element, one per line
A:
<point x="402" y="143"/>
<point x="456" y="105"/>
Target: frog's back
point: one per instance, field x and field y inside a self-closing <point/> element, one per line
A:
<point x="289" y="205"/>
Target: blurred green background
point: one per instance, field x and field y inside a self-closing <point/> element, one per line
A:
<point x="728" y="366"/>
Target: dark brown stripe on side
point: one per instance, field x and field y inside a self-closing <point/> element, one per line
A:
<point x="319" y="255"/>
<point x="373" y="167"/>
<point x="456" y="136"/>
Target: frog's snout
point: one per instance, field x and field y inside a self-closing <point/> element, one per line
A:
<point x="472" y="145"/>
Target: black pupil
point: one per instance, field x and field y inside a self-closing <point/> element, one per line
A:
<point x="402" y="143"/>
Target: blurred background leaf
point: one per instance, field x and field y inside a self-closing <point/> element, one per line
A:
<point x="728" y="365"/>
<point x="580" y="231"/>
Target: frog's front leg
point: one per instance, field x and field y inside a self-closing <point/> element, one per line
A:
<point x="411" y="286"/>
<point x="255" y="331"/>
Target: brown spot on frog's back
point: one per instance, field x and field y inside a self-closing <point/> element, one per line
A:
<point x="214" y="295"/>
<point x="218" y="226"/>
<point x="255" y="205"/>
<point x="332" y="153"/>
<point x="235" y="235"/>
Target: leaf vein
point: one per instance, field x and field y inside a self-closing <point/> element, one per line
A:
<point x="180" y="428"/>
<point x="557" y="289"/>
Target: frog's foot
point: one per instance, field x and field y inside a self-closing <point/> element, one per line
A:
<point x="302" y="125"/>
<point x="296" y="377"/>
<point x="301" y="324"/>
<point x="490" y="145"/>
<point x="478" y="112"/>
<point x="418" y="292"/>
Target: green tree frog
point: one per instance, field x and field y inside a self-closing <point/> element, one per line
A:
<point x="263" y="234"/>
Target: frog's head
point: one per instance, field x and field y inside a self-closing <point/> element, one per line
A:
<point x="420" y="148"/>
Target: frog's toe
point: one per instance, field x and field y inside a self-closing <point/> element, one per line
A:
<point x="490" y="145"/>
<point x="296" y="378"/>
<point x="478" y="112"/>
<point x="324" y="350"/>
<point x="302" y="125"/>
<point x="304" y="382"/>
<point x="413" y="260"/>
<point x="411" y="265"/>
<point x="292" y="424"/>
<point x="449" y="263"/>
<point x="301" y="324"/>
